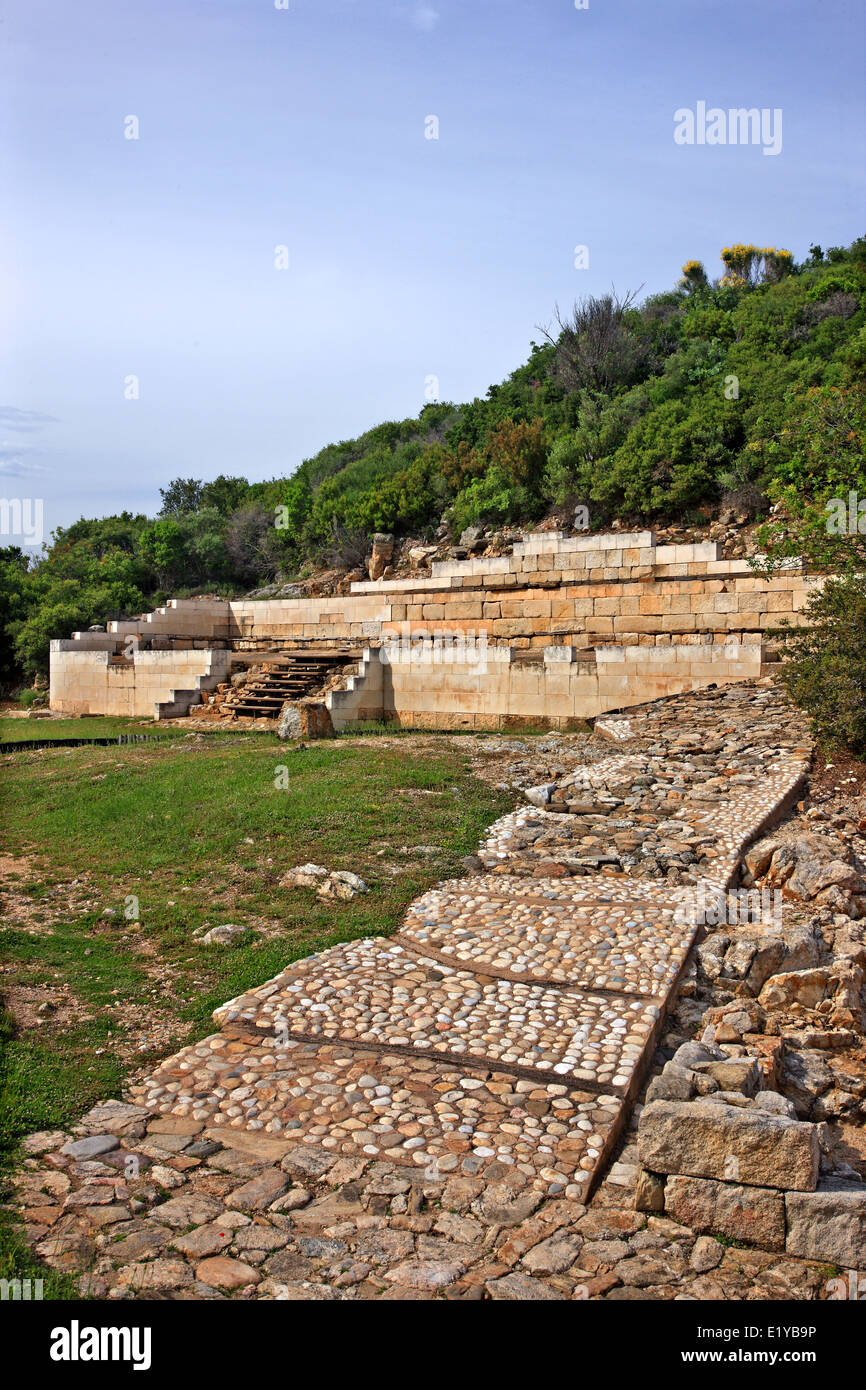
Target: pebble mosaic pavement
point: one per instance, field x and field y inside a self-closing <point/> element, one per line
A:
<point x="549" y="989"/>
<point x="501" y="1036"/>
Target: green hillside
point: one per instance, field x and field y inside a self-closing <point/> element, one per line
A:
<point x="718" y="391"/>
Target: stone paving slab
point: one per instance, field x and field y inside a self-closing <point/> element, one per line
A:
<point x="371" y="991"/>
<point x="627" y="947"/>
<point x="332" y="1101"/>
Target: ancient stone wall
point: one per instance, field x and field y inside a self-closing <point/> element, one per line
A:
<point x="563" y="628"/>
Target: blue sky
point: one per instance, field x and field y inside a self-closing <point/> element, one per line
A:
<point x="408" y="257"/>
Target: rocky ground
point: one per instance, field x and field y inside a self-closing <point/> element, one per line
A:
<point x="413" y="557"/>
<point x="607" y="1063"/>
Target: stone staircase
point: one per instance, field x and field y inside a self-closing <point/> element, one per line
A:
<point x="294" y="678"/>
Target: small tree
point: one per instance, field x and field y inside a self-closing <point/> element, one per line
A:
<point x="162" y="547"/>
<point x="694" y="277"/>
<point x="826" y="668"/>
<point x="181" y="495"/>
<point x="596" y="348"/>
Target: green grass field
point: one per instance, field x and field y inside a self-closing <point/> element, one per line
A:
<point x="186" y="834"/>
<point x="21" y="730"/>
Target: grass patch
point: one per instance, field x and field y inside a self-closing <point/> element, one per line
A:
<point x="194" y="833"/>
<point x="20" y="730"/>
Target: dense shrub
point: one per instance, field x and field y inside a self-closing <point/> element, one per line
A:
<point x="826" y="668"/>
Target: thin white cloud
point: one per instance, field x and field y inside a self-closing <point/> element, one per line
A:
<point x="14" y="463"/>
<point x="18" y="457"/>
<point x="25" y="420"/>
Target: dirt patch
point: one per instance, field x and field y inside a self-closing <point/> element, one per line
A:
<point x="838" y="774"/>
<point x="40" y="1006"/>
<point x="16" y="866"/>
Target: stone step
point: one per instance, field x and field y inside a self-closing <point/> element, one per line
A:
<point x="378" y="993"/>
<point x="634" y="948"/>
<point x="449" y="1119"/>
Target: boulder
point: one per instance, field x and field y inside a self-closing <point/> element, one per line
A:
<point x="733" y="1074"/>
<point x="781" y="866"/>
<point x="691" y="1054"/>
<point x="223" y="935"/>
<point x="342" y="885"/>
<point x="304" y="876"/>
<point x="757" y="857"/>
<point x="540" y="796"/>
<point x="815" y="873"/>
<point x="305" y="719"/>
<point x="730" y="1022"/>
<point x="847" y="997"/>
<point x="705" y="1139"/>
<point x="675" y="1083"/>
<point x="804" y="1077"/>
<point x="774" y="1104"/>
<point x="806" y="988"/>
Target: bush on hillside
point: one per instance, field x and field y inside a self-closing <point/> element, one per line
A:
<point x="825" y="673"/>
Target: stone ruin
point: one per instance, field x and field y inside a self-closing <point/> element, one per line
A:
<point x="561" y="630"/>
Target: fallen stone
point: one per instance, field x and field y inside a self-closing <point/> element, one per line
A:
<point x="540" y="796"/>
<point x="734" y="1074"/>
<point x="304" y="876"/>
<point x="807" y="988"/>
<point x="774" y="1104"/>
<point x="691" y="1054"/>
<point x="804" y="1077"/>
<point x="223" y="935"/>
<point x="674" y="1083"/>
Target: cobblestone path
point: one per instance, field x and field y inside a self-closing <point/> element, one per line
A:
<point x="410" y="1116"/>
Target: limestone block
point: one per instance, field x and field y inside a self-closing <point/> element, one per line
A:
<point x="829" y="1223"/>
<point x="705" y="1139"/>
<point x="755" y="1215"/>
